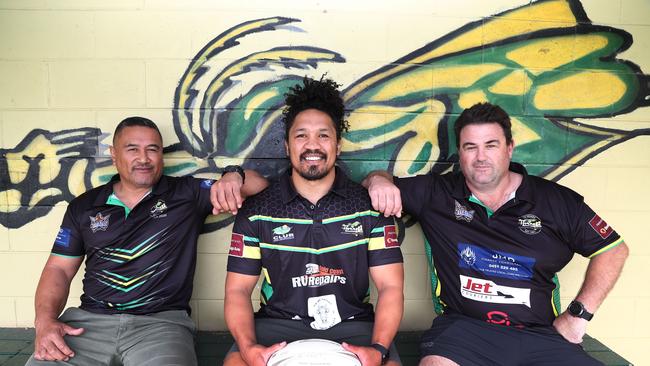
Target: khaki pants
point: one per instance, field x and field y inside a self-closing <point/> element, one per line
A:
<point x="165" y="338"/>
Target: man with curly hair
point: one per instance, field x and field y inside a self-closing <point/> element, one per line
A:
<point x="314" y="237"/>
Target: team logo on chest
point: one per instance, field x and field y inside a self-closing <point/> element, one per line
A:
<point x="353" y="228"/>
<point x="282" y="233"/>
<point x="468" y="256"/>
<point x="158" y="210"/>
<point x="462" y="213"/>
<point x="99" y="222"/>
<point x="530" y="224"/>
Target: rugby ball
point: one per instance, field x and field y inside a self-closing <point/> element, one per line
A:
<point x="313" y="352"/>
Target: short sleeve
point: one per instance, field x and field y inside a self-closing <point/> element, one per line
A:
<point x="384" y="244"/>
<point x="414" y="192"/>
<point x="202" y="188"/>
<point x="592" y="234"/>
<point x="69" y="241"/>
<point x="244" y="255"/>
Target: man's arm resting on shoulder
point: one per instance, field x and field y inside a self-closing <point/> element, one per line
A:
<point x="51" y="296"/>
<point x="389" y="280"/>
<point x="600" y="277"/>
<point x="239" y="319"/>
<point x="228" y="193"/>
<point x="384" y="195"/>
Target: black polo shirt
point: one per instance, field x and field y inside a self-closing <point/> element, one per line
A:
<point x="314" y="257"/>
<point x="501" y="266"/>
<point x="141" y="263"/>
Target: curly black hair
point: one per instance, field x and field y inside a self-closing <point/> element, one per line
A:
<point x="322" y="95"/>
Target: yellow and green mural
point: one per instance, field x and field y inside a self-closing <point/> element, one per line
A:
<point x="546" y="74"/>
<point x="573" y="75"/>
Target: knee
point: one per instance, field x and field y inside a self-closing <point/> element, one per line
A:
<point x="234" y="359"/>
<point x="437" y="361"/>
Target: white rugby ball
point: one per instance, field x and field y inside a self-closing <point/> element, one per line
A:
<point x="313" y="352"/>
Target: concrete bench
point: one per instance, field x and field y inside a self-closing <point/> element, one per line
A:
<point x="16" y="345"/>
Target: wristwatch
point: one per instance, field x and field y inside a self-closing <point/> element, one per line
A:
<point x="383" y="350"/>
<point x="235" y="169"/>
<point x="577" y="309"/>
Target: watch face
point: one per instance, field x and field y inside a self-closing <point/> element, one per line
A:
<point x="575" y="308"/>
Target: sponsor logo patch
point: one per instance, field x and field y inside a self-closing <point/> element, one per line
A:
<point x="282" y="233"/>
<point x="463" y="213"/>
<point x="207" y="183"/>
<point x="482" y="290"/>
<point x="390" y="236"/>
<point x="500" y="318"/>
<point x="236" y="245"/>
<point x="468" y="256"/>
<point x="99" y="222"/>
<point x="530" y="224"/>
<point x="495" y="263"/>
<point x="158" y="210"/>
<point x="63" y="237"/>
<point x="317" y="276"/>
<point x="601" y="227"/>
<point x="324" y="310"/>
<point x="353" y="228"/>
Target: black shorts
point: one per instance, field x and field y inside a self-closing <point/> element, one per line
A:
<point x="468" y="341"/>
<point x="269" y="331"/>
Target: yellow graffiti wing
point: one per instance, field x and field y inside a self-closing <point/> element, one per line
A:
<point x="540" y="72"/>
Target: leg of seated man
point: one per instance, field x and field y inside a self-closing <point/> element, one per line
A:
<point x="95" y="346"/>
<point x="233" y="358"/>
<point x="165" y="338"/>
<point x="550" y="348"/>
<point x="271" y="331"/>
<point x="437" y="361"/>
<point x="459" y="340"/>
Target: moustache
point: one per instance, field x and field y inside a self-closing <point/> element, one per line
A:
<point x="142" y="166"/>
<point x="481" y="165"/>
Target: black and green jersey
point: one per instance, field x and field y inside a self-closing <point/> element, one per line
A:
<point x="501" y="266"/>
<point x="142" y="260"/>
<point x="314" y="258"/>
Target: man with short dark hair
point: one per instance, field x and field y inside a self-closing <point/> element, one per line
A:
<point x="138" y="235"/>
<point x="495" y="239"/>
<point x="314" y="237"/>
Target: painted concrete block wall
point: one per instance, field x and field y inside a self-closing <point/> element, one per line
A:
<point x="70" y="70"/>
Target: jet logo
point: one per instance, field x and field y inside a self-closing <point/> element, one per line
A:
<point x="482" y="290"/>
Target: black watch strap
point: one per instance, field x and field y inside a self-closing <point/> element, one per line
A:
<point x="383" y="350"/>
<point x="235" y="169"/>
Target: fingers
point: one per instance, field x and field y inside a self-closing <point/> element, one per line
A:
<point x="397" y="203"/>
<point x="225" y="194"/>
<point x="50" y="344"/>
<point x="72" y="331"/>
<point x="375" y="201"/>
<point x="387" y="201"/>
<point x="52" y="348"/>
<point x="62" y="348"/>
<point x="269" y="351"/>
<point x="276" y="347"/>
<point x="385" y="197"/>
<point x="233" y="198"/>
<point x="216" y="206"/>
<point x="350" y="347"/>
